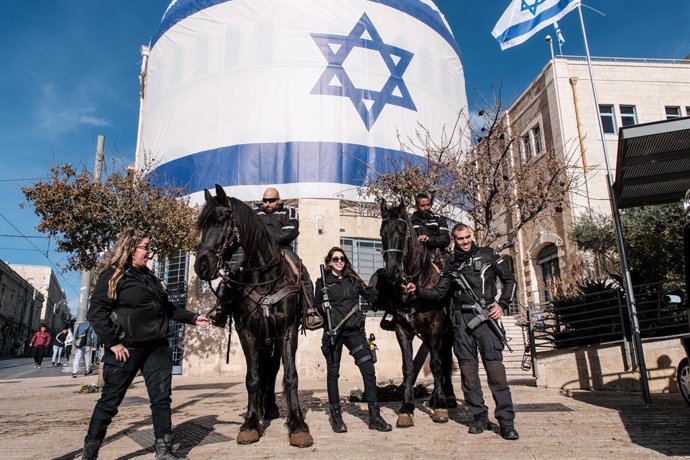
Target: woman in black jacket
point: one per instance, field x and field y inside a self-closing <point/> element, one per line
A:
<point x="344" y="287"/>
<point x="129" y="312"/>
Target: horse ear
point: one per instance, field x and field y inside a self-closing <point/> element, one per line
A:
<point x="220" y="193"/>
<point x="384" y="210"/>
<point x="207" y="195"/>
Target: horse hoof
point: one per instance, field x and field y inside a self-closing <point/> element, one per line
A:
<point x="247" y="437"/>
<point x="404" y="421"/>
<point x="302" y="439"/>
<point x="440" y="416"/>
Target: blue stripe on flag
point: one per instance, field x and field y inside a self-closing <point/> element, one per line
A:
<point x="525" y="27"/>
<point x="414" y="8"/>
<point x="280" y="163"/>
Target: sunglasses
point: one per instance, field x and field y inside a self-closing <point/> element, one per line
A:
<point x="148" y="246"/>
<point x="337" y="259"/>
<point x="269" y="200"/>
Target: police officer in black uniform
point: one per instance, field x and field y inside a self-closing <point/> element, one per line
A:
<point x="344" y="287"/>
<point x="283" y="225"/>
<point x="130" y="312"/>
<point x="480" y="266"/>
<point x="431" y="229"/>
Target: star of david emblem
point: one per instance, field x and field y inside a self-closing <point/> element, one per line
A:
<point x="335" y="81"/>
<point x="531" y="7"/>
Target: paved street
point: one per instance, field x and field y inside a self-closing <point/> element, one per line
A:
<point x="43" y="416"/>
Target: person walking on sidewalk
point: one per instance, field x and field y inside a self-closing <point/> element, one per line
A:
<point x="84" y="344"/>
<point x="344" y="287"/>
<point x="480" y="266"/>
<point x="69" y="342"/>
<point x="38" y="344"/>
<point x="136" y="341"/>
<point x="58" y="346"/>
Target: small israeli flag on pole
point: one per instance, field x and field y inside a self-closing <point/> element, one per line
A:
<point x="524" y="18"/>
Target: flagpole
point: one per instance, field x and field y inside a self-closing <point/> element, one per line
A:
<point x="627" y="282"/>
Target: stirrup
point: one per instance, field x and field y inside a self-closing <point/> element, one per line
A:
<point x="313" y="320"/>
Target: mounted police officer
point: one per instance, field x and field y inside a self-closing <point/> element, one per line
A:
<point x="281" y="222"/>
<point x="480" y="266"/>
<point x="431" y="229"/>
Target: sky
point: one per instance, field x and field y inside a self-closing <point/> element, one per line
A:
<point x="71" y="71"/>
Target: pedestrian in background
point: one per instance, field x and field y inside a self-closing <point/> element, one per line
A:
<point x="69" y="341"/>
<point x="58" y="346"/>
<point x="84" y="344"/>
<point x="136" y="341"/>
<point x="38" y="344"/>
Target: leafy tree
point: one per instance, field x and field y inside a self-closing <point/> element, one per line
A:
<point x="487" y="180"/>
<point x="653" y="239"/>
<point x="85" y="216"/>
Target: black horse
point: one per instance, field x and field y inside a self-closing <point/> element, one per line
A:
<point x="266" y="308"/>
<point x="407" y="260"/>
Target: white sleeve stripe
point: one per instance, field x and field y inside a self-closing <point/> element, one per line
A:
<point x="288" y="226"/>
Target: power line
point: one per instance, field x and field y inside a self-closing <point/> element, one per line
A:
<point x="44" y="254"/>
<point x="24" y="179"/>
<point x="25" y="236"/>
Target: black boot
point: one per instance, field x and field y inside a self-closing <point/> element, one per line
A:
<point x="164" y="448"/>
<point x="479" y="424"/>
<point x="375" y="420"/>
<point x="337" y="419"/>
<point x="91" y="449"/>
<point x="509" y="432"/>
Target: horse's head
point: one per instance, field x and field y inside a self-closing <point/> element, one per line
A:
<point x="220" y="239"/>
<point x="395" y="232"/>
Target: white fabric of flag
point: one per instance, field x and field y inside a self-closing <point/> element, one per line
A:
<point x="524" y="18"/>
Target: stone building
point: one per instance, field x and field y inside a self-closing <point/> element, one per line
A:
<point x="55" y="310"/>
<point x="557" y="112"/>
<point x="20" y="308"/>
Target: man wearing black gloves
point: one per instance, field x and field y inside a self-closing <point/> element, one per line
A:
<point x="431" y="229"/>
<point x="480" y="266"/>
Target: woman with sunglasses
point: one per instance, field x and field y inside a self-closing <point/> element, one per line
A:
<point x="135" y="338"/>
<point x="344" y="287"/>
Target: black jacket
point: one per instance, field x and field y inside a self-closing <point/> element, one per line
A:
<point x="281" y="224"/>
<point x="481" y="270"/>
<point x="433" y="226"/>
<point x="343" y="294"/>
<point x="142" y="308"/>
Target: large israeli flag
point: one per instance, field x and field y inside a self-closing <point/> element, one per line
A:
<point x="309" y="96"/>
<point x="524" y="18"/>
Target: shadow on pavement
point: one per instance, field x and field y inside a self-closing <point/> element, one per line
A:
<point x="661" y="426"/>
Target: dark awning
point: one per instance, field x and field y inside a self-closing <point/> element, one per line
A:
<point x="653" y="164"/>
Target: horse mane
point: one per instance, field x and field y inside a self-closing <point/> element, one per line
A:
<point x="253" y="233"/>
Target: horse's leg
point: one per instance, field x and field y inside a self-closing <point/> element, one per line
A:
<point x="251" y="428"/>
<point x="407" y="409"/>
<point x="297" y="427"/>
<point x="268" y="383"/>
<point x="447" y="366"/>
<point x="438" y="399"/>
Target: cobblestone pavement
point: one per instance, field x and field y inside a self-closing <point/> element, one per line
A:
<point x="43" y="416"/>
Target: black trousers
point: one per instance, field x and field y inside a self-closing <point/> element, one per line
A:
<point x="155" y="362"/>
<point x="38" y="353"/>
<point x="490" y="347"/>
<point x="352" y="339"/>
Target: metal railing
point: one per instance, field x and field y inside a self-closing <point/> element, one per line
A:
<point x="625" y="60"/>
<point x="602" y="317"/>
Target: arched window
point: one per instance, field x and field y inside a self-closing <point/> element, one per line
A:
<point x="547" y="260"/>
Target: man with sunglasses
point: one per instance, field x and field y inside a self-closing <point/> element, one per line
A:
<point x="281" y="222"/>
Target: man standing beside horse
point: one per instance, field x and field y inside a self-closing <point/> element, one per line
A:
<point x="480" y="266"/>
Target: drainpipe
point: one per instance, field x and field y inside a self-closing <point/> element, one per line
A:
<point x="580" y="138"/>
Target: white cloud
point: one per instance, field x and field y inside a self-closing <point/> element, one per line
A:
<point x="57" y="111"/>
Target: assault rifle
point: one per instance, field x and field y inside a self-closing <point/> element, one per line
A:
<point x="479" y="308"/>
<point x="327" y="308"/>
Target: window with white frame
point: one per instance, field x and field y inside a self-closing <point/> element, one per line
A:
<point x="365" y="256"/>
<point x="608" y="119"/>
<point x="672" y="112"/>
<point x="531" y="143"/>
<point x="628" y="115"/>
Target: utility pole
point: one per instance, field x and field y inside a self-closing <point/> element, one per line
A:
<point x="85" y="284"/>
